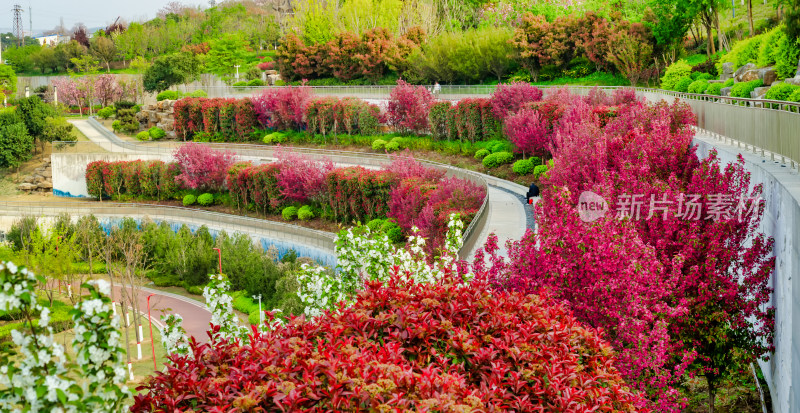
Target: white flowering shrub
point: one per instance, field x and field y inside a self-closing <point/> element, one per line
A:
<point x="173" y="336"/>
<point x="220" y="303"/>
<point x="363" y="255"/>
<point x="34" y="377"/>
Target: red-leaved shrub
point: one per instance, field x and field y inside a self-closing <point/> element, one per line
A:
<point x="510" y="98"/>
<point x="449" y="346"/>
<point x="282" y="108"/>
<point x="528" y="131"/>
<point x="301" y="179"/>
<point x="357" y="194"/>
<point x="409" y="106"/>
<point x="202" y="167"/>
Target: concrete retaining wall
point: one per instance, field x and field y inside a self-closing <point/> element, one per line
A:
<point x="781" y="221"/>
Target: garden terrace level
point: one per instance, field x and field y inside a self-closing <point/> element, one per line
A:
<point x="71" y="158"/>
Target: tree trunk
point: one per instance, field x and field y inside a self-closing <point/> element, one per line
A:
<point x="711" y="394"/>
<point x="720" y="34"/>
<point x="750" y="17"/>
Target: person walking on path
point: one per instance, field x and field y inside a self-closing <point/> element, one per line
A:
<point x="436" y="88"/>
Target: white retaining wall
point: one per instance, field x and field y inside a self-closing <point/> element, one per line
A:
<point x="781" y="221"/>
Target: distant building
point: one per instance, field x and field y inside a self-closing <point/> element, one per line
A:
<point x="52" y="39"/>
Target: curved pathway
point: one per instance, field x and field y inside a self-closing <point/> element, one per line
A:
<point x="196" y="317"/>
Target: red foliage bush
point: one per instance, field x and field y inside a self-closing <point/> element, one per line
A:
<point x="509" y="98"/>
<point x="202" y="167"/>
<point x="153" y="179"/>
<point x="282" y="108"/>
<point x="528" y="131"/>
<point x="474" y="120"/>
<point x="266" y="65"/>
<point x="347" y="56"/>
<point x="331" y="115"/>
<point x="225" y="119"/>
<point x="94" y="179"/>
<point x="301" y="179"/>
<point x="449" y="346"/>
<point x="409" y="107"/>
<point x="358" y="194"/>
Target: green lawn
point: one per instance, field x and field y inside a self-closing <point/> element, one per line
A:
<point x="763" y="17"/>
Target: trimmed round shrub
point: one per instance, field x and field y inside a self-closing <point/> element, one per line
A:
<point x="674" y="73"/>
<point x="539" y="170"/>
<point x="497" y="159"/>
<point x="189" y="199"/>
<point x="255" y="82"/>
<point x="156" y="133"/>
<point x="714" y="89"/>
<point x="106" y="112"/>
<point x="481" y="154"/>
<point x="705" y="76"/>
<point x="497" y="147"/>
<point x="200" y="93"/>
<point x="781" y="91"/>
<point x="729" y="83"/>
<point x="116" y="126"/>
<point x="305" y="213"/>
<point x="698" y="86"/>
<point x="535" y="160"/>
<point x="243" y="83"/>
<point x="743" y="89"/>
<point x="205" y="199"/>
<point x="168" y="95"/>
<point x="392" y="146"/>
<point x="683" y="84"/>
<point x="401" y="143"/>
<point x="393" y="231"/>
<point x="378" y="145"/>
<point x="289" y="213"/>
<point x="143" y="136"/>
<point x="522" y="167"/>
<point x="375" y="224"/>
<point x="274" y="137"/>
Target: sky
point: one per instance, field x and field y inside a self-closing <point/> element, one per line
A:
<point x="93" y="13"/>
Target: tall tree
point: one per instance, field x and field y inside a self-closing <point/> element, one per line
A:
<point x="104" y="49"/>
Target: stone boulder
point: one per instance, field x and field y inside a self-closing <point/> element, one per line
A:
<point x="727" y="68"/>
<point x="26" y="187"/>
<point x="759" y="92"/>
<point x="767" y="75"/>
<point x="742" y="70"/>
<point x="793" y="80"/>
<point x="271" y="79"/>
<point x="716" y="81"/>
<point x="45" y="185"/>
<point x="726" y="91"/>
<point x="797" y="73"/>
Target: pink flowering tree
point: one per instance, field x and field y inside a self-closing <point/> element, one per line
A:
<point x="409" y="106"/>
<point x="202" y="167"/>
<point x="106" y="89"/>
<point x="69" y="92"/>
<point x="300" y="178"/>
<point x="509" y="98"/>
